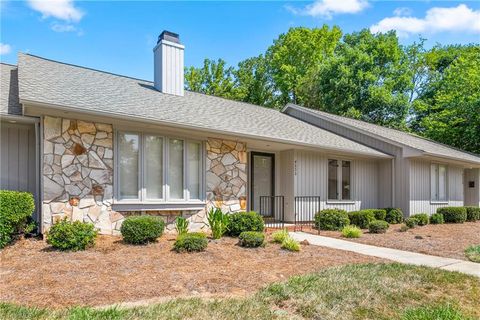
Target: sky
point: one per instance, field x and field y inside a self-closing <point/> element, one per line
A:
<point x="119" y="36"/>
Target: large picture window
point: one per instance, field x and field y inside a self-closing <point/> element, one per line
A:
<point x="339" y="180"/>
<point x="438" y="182"/>
<point x="157" y="168"/>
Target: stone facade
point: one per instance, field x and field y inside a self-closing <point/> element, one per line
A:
<point x="226" y="175"/>
<point x="78" y="173"/>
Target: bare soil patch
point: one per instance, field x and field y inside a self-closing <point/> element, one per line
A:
<point x="32" y="274"/>
<point x="444" y="240"/>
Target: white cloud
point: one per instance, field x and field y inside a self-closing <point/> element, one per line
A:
<point x="60" y="9"/>
<point x="328" y="8"/>
<point x="455" y="19"/>
<point x="403" y="11"/>
<point x="59" y="27"/>
<point x="5" y="48"/>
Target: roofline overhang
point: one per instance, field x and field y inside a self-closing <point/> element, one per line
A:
<point x="32" y="103"/>
<point x="14" y="118"/>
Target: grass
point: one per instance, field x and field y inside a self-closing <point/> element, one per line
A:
<point x="364" y="291"/>
<point x="473" y="253"/>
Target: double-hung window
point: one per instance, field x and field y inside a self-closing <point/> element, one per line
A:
<point x="339" y="180"/>
<point x="155" y="168"/>
<point x="438" y="182"/>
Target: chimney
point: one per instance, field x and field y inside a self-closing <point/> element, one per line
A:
<point x="168" y="64"/>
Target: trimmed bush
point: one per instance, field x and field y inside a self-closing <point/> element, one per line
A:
<point x="15" y="210"/>
<point x="473" y="253"/>
<point x="251" y="239"/>
<point x="142" y="229"/>
<point x="244" y="221"/>
<point x="331" y="219"/>
<point x="361" y="218"/>
<point x="218" y="222"/>
<point x="290" y="244"/>
<point x="191" y="242"/>
<point x="181" y="225"/>
<point x="411" y="222"/>
<point x="280" y="235"/>
<point x="378" y="226"/>
<point x="473" y="213"/>
<point x="453" y="214"/>
<point x="422" y="218"/>
<point x="379" y="214"/>
<point x="74" y="236"/>
<point x="436" y="218"/>
<point x="394" y="215"/>
<point x="351" y="232"/>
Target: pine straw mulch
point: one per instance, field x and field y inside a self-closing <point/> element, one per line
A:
<point x="32" y="274"/>
<point x="444" y="240"/>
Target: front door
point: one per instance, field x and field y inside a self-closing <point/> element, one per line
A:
<point x="262" y="177"/>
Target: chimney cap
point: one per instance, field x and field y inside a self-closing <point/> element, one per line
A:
<point x="169" y="36"/>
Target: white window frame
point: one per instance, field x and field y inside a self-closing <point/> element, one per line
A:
<point x="339" y="181"/>
<point x="142" y="193"/>
<point x="436" y="198"/>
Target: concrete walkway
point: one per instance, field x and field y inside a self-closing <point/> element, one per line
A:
<point x="418" y="259"/>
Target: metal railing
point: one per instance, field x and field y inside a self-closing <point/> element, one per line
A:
<point x="272" y="209"/>
<point x="305" y="209"/>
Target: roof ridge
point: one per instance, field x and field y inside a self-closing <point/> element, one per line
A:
<point x="8" y="64"/>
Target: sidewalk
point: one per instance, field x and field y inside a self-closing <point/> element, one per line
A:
<point x="418" y="259"/>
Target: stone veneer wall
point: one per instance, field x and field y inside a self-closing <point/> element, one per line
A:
<point x="226" y="175"/>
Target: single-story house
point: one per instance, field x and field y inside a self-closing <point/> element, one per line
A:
<point x="97" y="147"/>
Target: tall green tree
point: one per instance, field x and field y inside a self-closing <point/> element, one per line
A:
<point x="252" y="82"/>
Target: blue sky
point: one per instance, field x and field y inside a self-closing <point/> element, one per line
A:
<point x="119" y="36"/>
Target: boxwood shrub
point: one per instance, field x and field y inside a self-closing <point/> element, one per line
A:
<point x="74" y="236"/>
<point x="411" y="222"/>
<point x="244" y="221"/>
<point x="331" y="219"/>
<point x="453" y="214"/>
<point x="473" y="213"/>
<point x="394" y="215"/>
<point x="361" y="218"/>
<point x="422" y="218"/>
<point x="436" y="218"/>
<point x="191" y="242"/>
<point x="378" y="226"/>
<point x="251" y="239"/>
<point x="379" y="214"/>
<point x="15" y="210"/>
<point x="142" y="229"/>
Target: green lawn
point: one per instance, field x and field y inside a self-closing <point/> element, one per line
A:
<point x="367" y="291"/>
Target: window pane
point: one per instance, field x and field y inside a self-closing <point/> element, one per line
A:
<point x="346" y="187"/>
<point x="433" y="181"/>
<point x="128" y="165"/>
<point x="332" y="179"/>
<point x="175" y="169"/>
<point x="442" y="183"/>
<point x="194" y="162"/>
<point x="154" y="167"/>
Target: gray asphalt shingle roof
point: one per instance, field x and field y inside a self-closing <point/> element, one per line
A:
<point x="395" y="136"/>
<point x="83" y="89"/>
<point x="9" y="90"/>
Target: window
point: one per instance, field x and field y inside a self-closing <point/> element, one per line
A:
<point x="156" y="168"/>
<point x="339" y="180"/>
<point x="438" y="182"/>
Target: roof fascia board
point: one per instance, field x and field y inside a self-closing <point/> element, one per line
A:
<point x="18" y="118"/>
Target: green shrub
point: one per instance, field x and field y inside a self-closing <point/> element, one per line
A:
<point x="67" y="235"/>
<point x="379" y="214"/>
<point x="394" y="215"/>
<point x="473" y="213"/>
<point x="181" y="225"/>
<point x="331" y="219"/>
<point x="361" y="218"/>
<point x="378" y="226"/>
<point x="142" y="229"/>
<point x="251" y="239"/>
<point x="15" y="210"/>
<point x="404" y="228"/>
<point x="473" y="253"/>
<point x="422" y="218"/>
<point x="351" y="232"/>
<point x="218" y="222"/>
<point x="436" y="218"/>
<point x="244" y="221"/>
<point x="280" y="235"/>
<point x="191" y="242"/>
<point x="411" y="222"/>
<point x="453" y="214"/>
<point x="290" y="244"/>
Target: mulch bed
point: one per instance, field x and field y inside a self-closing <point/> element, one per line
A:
<point x="444" y="240"/>
<point x="33" y="274"/>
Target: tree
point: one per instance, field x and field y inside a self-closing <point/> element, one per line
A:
<point x="252" y="82"/>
